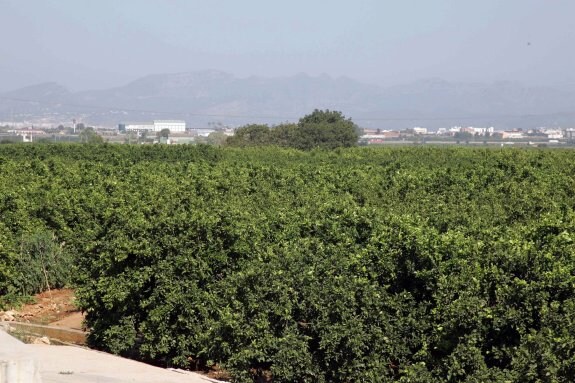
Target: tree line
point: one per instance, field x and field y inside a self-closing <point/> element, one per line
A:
<point x="321" y="129"/>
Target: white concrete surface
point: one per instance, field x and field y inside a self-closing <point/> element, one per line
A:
<point x="63" y="364"/>
<point x="36" y="363"/>
<point x="17" y="364"/>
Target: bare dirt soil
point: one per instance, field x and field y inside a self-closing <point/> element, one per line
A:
<point x="54" y="307"/>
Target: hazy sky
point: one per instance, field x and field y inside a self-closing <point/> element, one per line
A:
<point x="95" y="44"/>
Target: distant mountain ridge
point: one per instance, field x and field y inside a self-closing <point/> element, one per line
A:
<point x="209" y="96"/>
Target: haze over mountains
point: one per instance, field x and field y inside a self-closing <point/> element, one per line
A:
<point x="205" y="97"/>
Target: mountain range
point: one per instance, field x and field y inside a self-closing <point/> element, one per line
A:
<point x="206" y="97"/>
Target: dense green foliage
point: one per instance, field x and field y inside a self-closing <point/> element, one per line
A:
<point x="323" y="129"/>
<point x="353" y="265"/>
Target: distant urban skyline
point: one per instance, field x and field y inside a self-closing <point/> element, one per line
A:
<point x="109" y="43"/>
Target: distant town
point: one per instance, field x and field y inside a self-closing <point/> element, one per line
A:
<point x="177" y="132"/>
<point x="470" y="135"/>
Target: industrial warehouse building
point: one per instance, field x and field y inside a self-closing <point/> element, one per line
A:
<point x="174" y="126"/>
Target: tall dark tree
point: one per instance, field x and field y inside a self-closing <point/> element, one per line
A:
<point x="321" y="129"/>
<point x="164" y="133"/>
<point x="326" y="129"/>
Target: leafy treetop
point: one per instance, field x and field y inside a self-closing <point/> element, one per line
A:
<point x="321" y="129"/>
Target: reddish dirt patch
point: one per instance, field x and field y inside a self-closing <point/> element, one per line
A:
<point x="52" y="307"/>
<point x="74" y="321"/>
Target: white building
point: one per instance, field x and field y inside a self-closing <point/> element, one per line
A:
<point x="553" y="133"/>
<point x="483" y="131"/>
<point x="174" y="126"/>
<point x="137" y="127"/>
<point x="512" y="134"/>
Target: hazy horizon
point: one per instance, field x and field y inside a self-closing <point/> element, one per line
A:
<point x="102" y="44"/>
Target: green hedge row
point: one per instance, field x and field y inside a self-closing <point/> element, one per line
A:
<point x="406" y="264"/>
